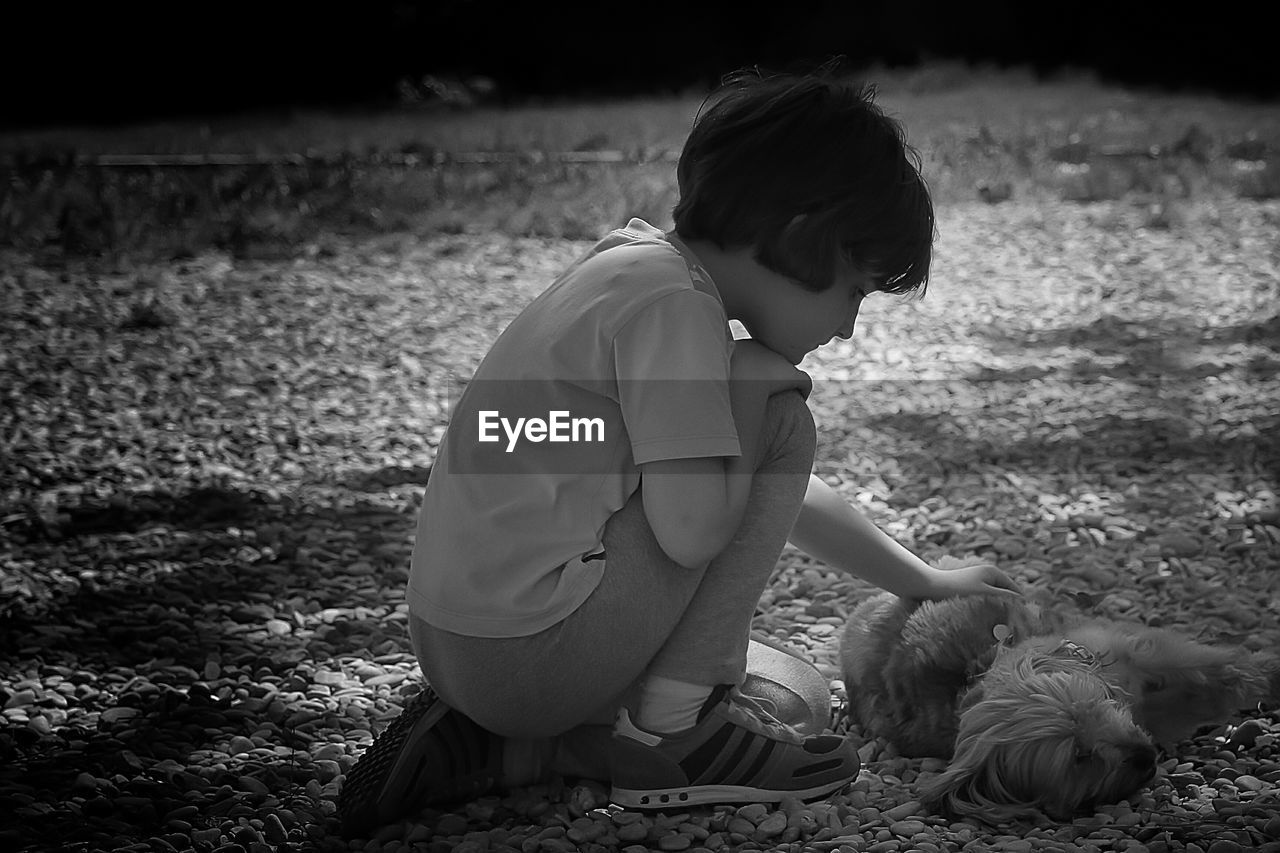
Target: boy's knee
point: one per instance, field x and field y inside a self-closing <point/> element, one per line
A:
<point x="790" y="410"/>
<point x="790" y="426"/>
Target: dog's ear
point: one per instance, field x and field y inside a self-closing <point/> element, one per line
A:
<point x="972" y="787"/>
<point x="992" y="782"/>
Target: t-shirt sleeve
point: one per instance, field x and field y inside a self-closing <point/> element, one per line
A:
<point x="672" y="365"/>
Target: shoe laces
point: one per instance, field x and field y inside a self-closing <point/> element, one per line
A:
<point x="762" y="713"/>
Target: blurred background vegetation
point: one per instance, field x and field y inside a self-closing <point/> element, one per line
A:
<point x="260" y="128"/>
<point x="274" y="183"/>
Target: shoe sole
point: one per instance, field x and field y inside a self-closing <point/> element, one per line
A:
<point x="387" y="782"/>
<point x="699" y="795"/>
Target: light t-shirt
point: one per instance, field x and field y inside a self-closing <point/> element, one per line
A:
<point x="623" y="360"/>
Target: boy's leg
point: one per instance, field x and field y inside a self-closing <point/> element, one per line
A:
<point x="709" y="644"/>
<point x="647" y="614"/>
<point x="493" y="707"/>
<point x="694" y="737"/>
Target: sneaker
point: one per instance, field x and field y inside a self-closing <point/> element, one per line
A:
<point x="737" y="752"/>
<point x="430" y="754"/>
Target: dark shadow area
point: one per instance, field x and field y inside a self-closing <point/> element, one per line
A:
<point x="211" y="506"/>
<point x="1262" y="333"/>
<point x="1124" y="444"/>
<point x="128" y="536"/>
<point x="1107" y="334"/>
<point x="379" y="479"/>
<point x="1082" y="431"/>
<point x="1115" y="335"/>
<point x="202" y="527"/>
<point x="1140" y="367"/>
<point x="188" y="648"/>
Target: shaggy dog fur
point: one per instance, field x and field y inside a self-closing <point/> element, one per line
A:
<point x="1038" y="714"/>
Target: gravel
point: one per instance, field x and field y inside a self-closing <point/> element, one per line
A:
<point x="206" y="511"/>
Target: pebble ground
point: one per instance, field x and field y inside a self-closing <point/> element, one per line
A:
<point x="213" y="466"/>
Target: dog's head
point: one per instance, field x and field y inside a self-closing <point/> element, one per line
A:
<point x="1042" y="732"/>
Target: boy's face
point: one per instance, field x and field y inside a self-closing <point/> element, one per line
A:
<point x="793" y="321"/>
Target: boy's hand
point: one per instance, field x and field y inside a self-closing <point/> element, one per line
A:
<point x="979" y="579"/>
<point x="752" y="361"/>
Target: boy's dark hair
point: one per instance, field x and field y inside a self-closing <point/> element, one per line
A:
<point x="811" y="172"/>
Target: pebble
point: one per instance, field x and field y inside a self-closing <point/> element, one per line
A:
<point x="239" y="745"/>
<point x="451" y="824"/>
<point x="1015" y="845"/>
<point x="1014" y="549"/>
<point x="633" y="832"/>
<point x="906" y="828"/>
<point x="771" y="827"/>
<point x="910" y="808"/>
<point x="1224" y="845"/>
<point x="1248" y="782"/>
<point x="118" y="714"/>
<point x="253" y="785"/>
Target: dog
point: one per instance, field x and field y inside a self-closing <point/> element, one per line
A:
<point x="1038" y="713"/>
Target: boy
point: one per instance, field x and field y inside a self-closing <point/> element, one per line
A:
<point x="606" y="581"/>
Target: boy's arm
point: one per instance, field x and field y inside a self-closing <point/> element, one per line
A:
<point x="695" y="506"/>
<point x="830" y="530"/>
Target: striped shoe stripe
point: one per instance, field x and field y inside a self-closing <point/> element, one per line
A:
<point x="732" y="756"/>
<point x="698" y="762"/>
<point x="749" y="775"/>
<point x="814" y="769"/>
<point x="740" y="752"/>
